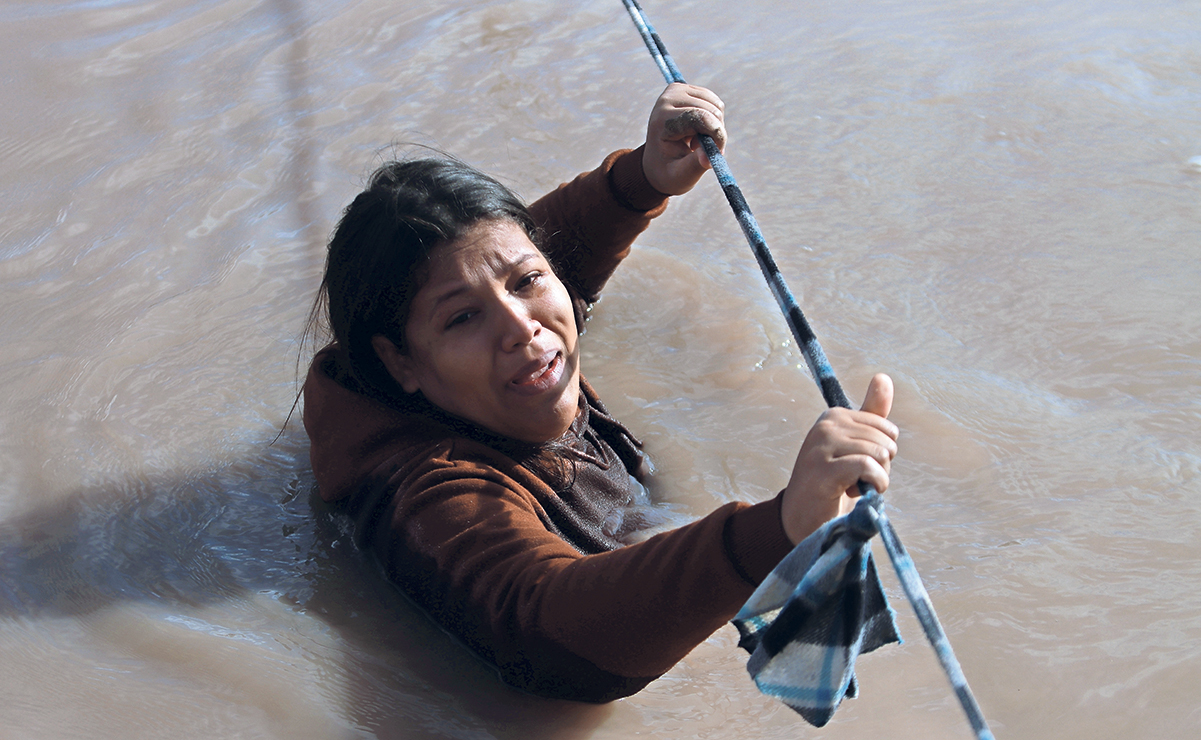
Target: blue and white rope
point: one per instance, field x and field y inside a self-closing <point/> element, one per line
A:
<point x="831" y="389"/>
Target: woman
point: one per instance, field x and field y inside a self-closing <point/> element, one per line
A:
<point x="450" y="418"/>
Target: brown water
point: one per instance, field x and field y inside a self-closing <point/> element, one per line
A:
<point x="999" y="203"/>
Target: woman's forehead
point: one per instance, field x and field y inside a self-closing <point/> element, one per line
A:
<point x="488" y="250"/>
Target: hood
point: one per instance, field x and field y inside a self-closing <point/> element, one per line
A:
<point x="350" y="434"/>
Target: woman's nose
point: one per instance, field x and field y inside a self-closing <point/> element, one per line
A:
<point x="519" y="327"/>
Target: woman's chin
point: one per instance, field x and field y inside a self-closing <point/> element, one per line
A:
<point x="553" y="422"/>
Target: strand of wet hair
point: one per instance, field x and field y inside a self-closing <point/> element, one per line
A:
<point x="830" y="388"/>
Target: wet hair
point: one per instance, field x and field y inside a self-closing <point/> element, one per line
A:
<point x="379" y="250"/>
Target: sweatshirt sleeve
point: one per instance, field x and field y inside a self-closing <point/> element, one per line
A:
<point x="589" y="224"/>
<point x="471" y="546"/>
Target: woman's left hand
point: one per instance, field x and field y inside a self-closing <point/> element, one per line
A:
<point x="674" y="160"/>
<point x="843" y="448"/>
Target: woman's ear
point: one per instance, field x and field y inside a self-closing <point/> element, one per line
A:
<point x="399" y="365"/>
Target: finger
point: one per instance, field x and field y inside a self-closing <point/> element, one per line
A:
<point x="871" y="473"/>
<point x="687" y="101"/>
<point x="720" y="138"/>
<point x="680" y="94"/>
<point x="836" y="442"/>
<point x="877" y="438"/>
<point x="705" y="94"/>
<point x="877" y="447"/>
<point x="870" y="422"/>
<point x="878" y="399"/>
<point x="692" y="121"/>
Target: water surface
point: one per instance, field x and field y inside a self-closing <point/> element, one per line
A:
<point x="998" y="203"/>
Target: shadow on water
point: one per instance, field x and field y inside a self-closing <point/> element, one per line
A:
<point x="220" y="543"/>
<point x="258" y="530"/>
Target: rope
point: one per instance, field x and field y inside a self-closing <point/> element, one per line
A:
<point x="831" y="390"/>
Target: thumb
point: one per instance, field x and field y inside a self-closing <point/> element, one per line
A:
<point x="879" y="395"/>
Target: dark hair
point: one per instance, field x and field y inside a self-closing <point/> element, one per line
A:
<point x="377" y="253"/>
<point x="375" y="266"/>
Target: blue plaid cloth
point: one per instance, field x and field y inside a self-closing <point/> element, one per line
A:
<point x="814" y="614"/>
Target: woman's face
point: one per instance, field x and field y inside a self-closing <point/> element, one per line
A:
<point x="492" y="336"/>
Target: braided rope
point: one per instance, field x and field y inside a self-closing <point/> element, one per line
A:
<point x="831" y="389"/>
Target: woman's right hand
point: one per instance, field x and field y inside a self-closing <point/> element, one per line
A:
<point x="843" y="448"/>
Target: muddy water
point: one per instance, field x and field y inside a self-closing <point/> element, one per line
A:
<point x="996" y="202"/>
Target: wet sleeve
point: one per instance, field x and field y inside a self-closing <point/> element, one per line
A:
<point x="589" y="224"/>
<point x="473" y="550"/>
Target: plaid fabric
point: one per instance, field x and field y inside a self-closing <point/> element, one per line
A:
<point x="814" y="614"/>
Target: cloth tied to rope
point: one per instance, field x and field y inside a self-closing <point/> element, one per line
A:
<point x="820" y="608"/>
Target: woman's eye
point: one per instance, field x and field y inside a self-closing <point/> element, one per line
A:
<point x="528" y="280"/>
<point x="459" y="318"/>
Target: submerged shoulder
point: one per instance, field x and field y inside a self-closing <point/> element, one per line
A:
<point x="453" y="466"/>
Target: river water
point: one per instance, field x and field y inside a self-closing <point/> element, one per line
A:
<point x="998" y="203"/>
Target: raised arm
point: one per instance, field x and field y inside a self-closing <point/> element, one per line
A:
<point x="590" y="223"/>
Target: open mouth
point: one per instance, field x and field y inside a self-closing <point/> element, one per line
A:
<point x="544" y="374"/>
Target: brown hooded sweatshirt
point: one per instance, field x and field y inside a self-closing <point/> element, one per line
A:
<point x="519" y="564"/>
